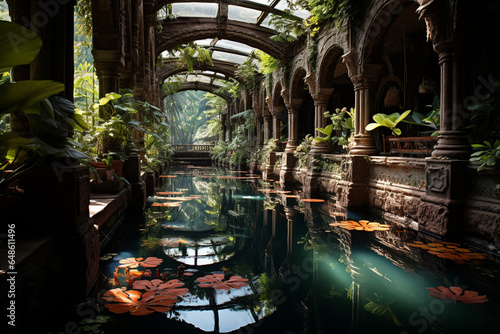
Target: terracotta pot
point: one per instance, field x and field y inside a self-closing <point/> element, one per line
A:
<point x="110" y="174"/>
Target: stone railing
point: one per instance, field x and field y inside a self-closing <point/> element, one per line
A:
<point x="413" y="145"/>
<point x="193" y="148"/>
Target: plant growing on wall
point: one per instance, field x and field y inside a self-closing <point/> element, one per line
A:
<point x="303" y="150"/>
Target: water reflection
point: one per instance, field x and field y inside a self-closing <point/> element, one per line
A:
<point x="304" y="275"/>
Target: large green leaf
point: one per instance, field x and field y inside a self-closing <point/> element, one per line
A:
<point x="389" y="123"/>
<point x="402" y="117"/>
<point x="22" y="94"/>
<point x="379" y="118"/>
<point x="326" y="131"/>
<point x="18" y="45"/>
<point x="372" y="126"/>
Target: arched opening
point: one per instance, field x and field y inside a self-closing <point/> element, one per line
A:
<point x="301" y="96"/>
<point x="409" y="77"/>
<point x="334" y="77"/>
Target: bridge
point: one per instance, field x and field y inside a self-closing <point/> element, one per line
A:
<point x="195" y="154"/>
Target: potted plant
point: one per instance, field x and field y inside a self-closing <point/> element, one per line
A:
<point x="110" y="173"/>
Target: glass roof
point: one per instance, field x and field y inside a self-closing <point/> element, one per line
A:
<point x="249" y="11"/>
<point x="195" y="9"/>
<point x="242" y="14"/>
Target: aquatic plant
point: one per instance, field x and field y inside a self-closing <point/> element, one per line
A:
<point x="167" y="288"/>
<point x="218" y="282"/>
<point x="382" y="309"/>
<point x="457" y="294"/>
<point x="449" y="250"/>
<point x="138" y="303"/>
<point x="132" y="262"/>
<point x="362" y="225"/>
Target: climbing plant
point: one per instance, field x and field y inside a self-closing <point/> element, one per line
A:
<point x="190" y="54"/>
<point x="338" y="11"/>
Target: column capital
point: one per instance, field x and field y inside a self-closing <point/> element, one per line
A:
<point x="277" y="111"/>
<point x="293" y="105"/>
<point x="322" y="96"/>
<point x="108" y="60"/>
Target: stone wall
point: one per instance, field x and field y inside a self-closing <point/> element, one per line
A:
<point x="395" y="186"/>
<point x="397" y="189"/>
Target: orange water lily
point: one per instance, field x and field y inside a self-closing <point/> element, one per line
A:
<point x="362" y="225"/>
<point x="167" y="193"/>
<point x="132" y="262"/>
<point x="457" y="294"/>
<point x="218" y="282"/>
<point x="450" y="250"/>
<point x="137" y="303"/>
<point x="167" y="288"/>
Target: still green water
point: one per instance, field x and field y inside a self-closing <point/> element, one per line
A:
<point x="303" y="275"/>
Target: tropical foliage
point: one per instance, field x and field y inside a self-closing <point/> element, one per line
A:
<point x="389" y="121"/>
<point x="485" y="154"/>
<point x="41" y="122"/>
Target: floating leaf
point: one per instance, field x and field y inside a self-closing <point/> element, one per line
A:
<point x="131" y="262"/>
<point x="362" y="225"/>
<point x="168" y="176"/>
<point x="217" y="282"/>
<point x="137" y="303"/>
<point x="450" y="251"/>
<point x="182" y="199"/>
<point x="169" y="205"/>
<point x="166" y="288"/>
<point x="457" y="294"/>
<point x="166" y="193"/>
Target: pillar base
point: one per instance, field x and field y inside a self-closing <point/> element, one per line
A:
<point x="268" y="171"/>
<point x="363" y="145"/>
<point x="453" y="145"/>
<point x="286" y="172"/>
<point x="320" y="148"/>
<point x="441" y="210"/>
<point x="291" y="146"/>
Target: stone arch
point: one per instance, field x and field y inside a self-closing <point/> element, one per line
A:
<point x="184" y="30"/>
<point x="297" y="84"/>
<point x="209" y="88"/>
<point x="329" y="64"/>
<point x="382" y="19"/>
<point x="277" y="99"/>
<point x="171" y="68"/>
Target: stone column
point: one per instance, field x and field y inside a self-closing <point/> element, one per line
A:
<point x="258" y="129"/>
<point x="276" y="112"/>
<point x="452" y="140"/>
<point x="320" y="107"/>
<point x="108" y="64"/>
<point x="267" y="127"/>
<point x="364" y="88"/>
<point x="223" y="127"/>
<point x="291" y="227"/>
<point x="293" y="125"/>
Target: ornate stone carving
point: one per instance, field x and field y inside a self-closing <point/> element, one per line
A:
<point x="437" y="179"/>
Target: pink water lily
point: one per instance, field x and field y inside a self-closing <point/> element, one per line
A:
<point x="217" y="282"/>
<point x="132" y="262"/>
<point x="137" y="303"/>
<point x="160" y="287"/>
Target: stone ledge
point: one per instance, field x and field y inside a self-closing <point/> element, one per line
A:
<point x="106" y="211"/>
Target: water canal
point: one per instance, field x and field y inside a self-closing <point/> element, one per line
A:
<point x="228" y="253"/>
